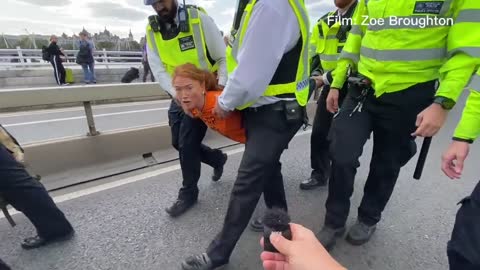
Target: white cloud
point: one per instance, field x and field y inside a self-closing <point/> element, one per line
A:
<point x="119" y="16"/>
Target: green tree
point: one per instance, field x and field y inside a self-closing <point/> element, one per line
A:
<point x="105" y="45"/>
<point x="135" y="46"/>
<point x="41" y="42"/>
<point x="24" y="43"/>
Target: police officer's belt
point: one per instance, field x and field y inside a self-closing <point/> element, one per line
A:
<point x="277" y="106"/>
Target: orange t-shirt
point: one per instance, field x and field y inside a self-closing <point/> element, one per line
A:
<point x="230" y="127"/>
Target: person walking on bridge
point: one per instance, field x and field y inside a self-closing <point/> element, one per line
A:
<point x="178" y="35"/>
<point x="403" y="58"/>
<point x="56" y="55"/>
<point x="85" y="57"/>
<point x="270" y="84"/>
<point x="328" y="38"/>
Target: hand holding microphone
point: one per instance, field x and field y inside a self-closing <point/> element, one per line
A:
<point x="301" y="252"/>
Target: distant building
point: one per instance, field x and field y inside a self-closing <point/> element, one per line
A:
<point x="64" y="40"/>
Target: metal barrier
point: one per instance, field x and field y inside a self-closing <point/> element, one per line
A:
<point x="28" y="58"/>
<point x="10" y="99"/>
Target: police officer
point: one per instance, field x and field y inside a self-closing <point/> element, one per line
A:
<point x="403" y="59"/>
<point x="177" y="35"/>
<point x="27" y="195"/>
<point x="271" y="85"/>
<point x="464" y="247"/>
<point x="328" y="38"/>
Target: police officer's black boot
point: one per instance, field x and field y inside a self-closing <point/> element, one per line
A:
<point x="3" y="265"/>
<point x="328" y="236"/>
<point x="360" y="233"/>
<point x="38" y="241"/>
<point x="198" y="262"/>
<point x="256" y="224"/>
<point x="316" y="180"/>
<point x="218" y="171"/>
<point x="180" y="206"/>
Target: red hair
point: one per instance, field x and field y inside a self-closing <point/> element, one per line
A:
<point x="191" y="71"/>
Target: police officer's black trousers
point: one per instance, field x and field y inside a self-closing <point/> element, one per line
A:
<point x="268" y="134"/>
<point x="391" y="117"/>
<point x="27" y="195"/>
<point x="58" y="69"/>
<point x="464" y="247"/>
<point x="187" y="136"/>
<point x="4" y="266"/>
<point x="319" y="143"/>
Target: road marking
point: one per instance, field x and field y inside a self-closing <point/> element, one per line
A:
<point x="132" y="179"/>
<point x="81" y="109"/>
<point x="83" y="117"/>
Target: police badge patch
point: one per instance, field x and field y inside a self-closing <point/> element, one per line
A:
<point x="428" y="7"/>
<point x="186" y="43"/>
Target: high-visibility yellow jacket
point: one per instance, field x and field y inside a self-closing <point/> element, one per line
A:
<point x="468" y="129"/>
<point x="329" y="36"/>
<point x="300" y="86"/>
<point x="417" y="41"/>
<point x="188" y="47"/>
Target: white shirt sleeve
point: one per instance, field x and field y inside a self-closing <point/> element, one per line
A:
<point x="273" y="30"/>
<point x="215" y="45"/>
<point x="159" y="71"/>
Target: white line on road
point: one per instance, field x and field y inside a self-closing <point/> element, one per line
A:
<point x="133" y="179"/>
<point x="83" y="117"/>
<point x="81" y="109"/>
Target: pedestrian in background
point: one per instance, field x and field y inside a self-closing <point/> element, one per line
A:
<point x="85" y="58"/>
<point x="56" y="54"/>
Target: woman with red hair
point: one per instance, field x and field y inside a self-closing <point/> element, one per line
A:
<point x="197" y="92"/>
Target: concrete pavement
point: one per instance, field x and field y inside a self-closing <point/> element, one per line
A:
<point x="124" y="226"/>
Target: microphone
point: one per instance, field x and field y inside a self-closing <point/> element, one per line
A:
<point x="276" y="220"/>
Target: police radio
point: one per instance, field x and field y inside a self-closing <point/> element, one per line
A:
<point x="183" y="24"/>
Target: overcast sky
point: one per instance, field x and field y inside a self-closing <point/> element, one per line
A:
<point x="119" y="16"/>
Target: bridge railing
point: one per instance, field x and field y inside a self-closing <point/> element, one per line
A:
<point x="31" y="58"/>
<point x="30" y="97"/>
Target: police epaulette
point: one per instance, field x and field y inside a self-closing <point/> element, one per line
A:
<point x="196" y="7"/>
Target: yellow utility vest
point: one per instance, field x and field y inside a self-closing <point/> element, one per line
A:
<point x="329" y="41"/>
<point x="469" y="126"/>
<point x="398" y="44"/>
<point x="299" y="87"/>
<point x="187" y="47"/>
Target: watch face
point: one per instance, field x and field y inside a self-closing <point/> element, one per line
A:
<point x="448" y="103"/>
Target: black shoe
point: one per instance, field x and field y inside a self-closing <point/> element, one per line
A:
<point x="37" y="241"/>
<point x="313" y="183"/>
<point x="4" y="266"/>
<point x="328" y="236"/>
<point x="360" y="233"/>
<point x="198" y="262"/>
<point x="218" y="171"/>
<point x="179" y="207"/>
<point x="257" y="225"/>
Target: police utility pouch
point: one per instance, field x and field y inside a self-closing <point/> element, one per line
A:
<point x="293" y="111"/>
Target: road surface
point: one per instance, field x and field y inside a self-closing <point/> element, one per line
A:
<point x="36" y="126"/>
<point x="121" y="223"/>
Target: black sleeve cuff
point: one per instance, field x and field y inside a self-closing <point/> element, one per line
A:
<point x="462" y="140"/>
<point x="329" y="77"/>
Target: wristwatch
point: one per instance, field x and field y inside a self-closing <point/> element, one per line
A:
<point x="446" y="103"/>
